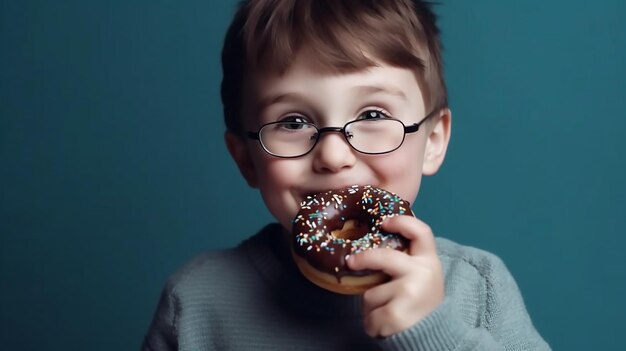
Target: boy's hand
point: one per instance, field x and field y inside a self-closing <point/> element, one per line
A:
<point x="416" y="287"/>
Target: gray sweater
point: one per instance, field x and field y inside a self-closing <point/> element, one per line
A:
<point x="253" y="297"/>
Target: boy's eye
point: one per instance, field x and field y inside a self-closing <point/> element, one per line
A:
<point x="294" y="122"/>
<point x="373" y="114"/>
<point x="294" y="118"/>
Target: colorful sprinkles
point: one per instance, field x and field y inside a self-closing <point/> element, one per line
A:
<point x="375" y="204"/>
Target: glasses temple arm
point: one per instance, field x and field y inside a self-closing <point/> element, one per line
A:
<point x="416" y="126"/>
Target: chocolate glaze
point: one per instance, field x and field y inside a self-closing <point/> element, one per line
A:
<point x="326" y="212"/>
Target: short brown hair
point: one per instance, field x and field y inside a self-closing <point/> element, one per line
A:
<point x="342" y="36"/>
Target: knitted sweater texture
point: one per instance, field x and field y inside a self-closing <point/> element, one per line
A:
<point x="252" y="297"/>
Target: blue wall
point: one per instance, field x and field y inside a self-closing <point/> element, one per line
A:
<point x="114" y="172"/>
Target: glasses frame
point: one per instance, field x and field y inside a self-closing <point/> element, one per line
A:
<point x="407" y="130"/>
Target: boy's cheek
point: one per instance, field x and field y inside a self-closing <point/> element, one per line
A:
<point x="279" y="183"/>
<point x="400" y="172"/>
<point x="278" y="174"/>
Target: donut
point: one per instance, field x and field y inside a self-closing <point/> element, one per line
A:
<point x="334" y="224"/>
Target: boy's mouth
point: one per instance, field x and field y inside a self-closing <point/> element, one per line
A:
<point x="331" y="188"/>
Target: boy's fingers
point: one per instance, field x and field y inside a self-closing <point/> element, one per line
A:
<point x="376" y="297"/>
<point x="392" y="262"/>
<point x="382" y="294"/>
<point x="386" y="320"/>
<point x="419" y="233"/>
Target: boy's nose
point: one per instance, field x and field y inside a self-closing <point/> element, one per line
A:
<point x="333" y="154"/>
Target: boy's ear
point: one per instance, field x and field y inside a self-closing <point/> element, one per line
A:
<point x="437" y="142"/>
<point x="240" y="153"/>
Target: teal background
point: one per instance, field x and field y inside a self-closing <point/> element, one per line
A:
<point x="113" y="170"/>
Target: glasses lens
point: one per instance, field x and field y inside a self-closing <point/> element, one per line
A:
<point x="375" y="136"/>
<point x="288" y="139"/>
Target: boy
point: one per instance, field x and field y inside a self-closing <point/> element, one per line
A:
<point x="294" y="64"/>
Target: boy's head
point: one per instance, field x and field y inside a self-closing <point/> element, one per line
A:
<point x="323" y="94"/>
<point x="338" y="36"/>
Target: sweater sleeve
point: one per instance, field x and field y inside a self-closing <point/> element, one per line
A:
<point x="162" y="334"/>
<point x="503" y="323"/>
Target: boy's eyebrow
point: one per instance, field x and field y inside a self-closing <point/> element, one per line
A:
<point x="272" y="99"/>
<point x="359" y="89"/>
<point x="375" y="89"/>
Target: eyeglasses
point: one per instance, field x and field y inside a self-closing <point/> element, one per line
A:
<point x="372" y="136"/>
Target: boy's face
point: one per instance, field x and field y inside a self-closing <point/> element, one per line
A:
<point x="332" y="100"/>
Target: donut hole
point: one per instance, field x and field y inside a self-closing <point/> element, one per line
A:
<point x="351" y="230"/>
